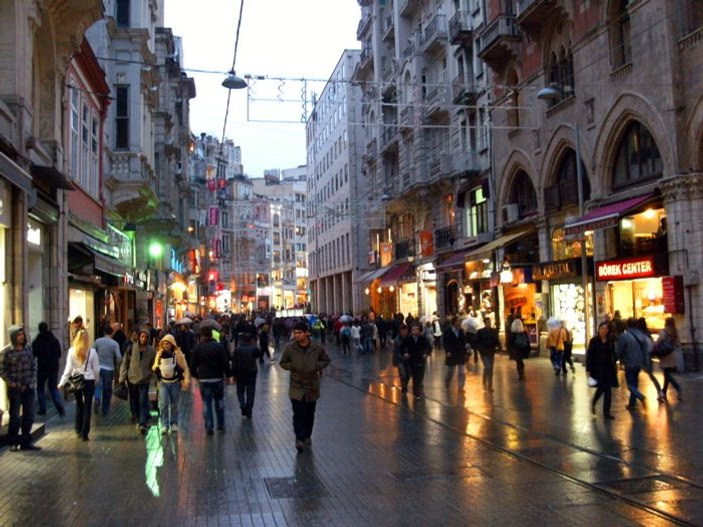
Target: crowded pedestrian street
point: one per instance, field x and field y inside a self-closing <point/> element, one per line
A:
<point x="529" y="453"/>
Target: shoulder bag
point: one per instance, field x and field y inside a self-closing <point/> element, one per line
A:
<point x="76" y="381"/>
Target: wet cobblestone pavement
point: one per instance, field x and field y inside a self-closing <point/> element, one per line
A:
<point x="529" y="453"/>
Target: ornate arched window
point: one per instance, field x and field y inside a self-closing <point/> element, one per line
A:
<point x="564" y="191"/>
<point x="523" y="194"/>
<point x="637" y="158"/>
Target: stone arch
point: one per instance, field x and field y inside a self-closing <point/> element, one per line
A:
<point x="691" y="158"/>
<point x="627" y="108"/>
<point x="563" y="138"/>
<point x="518" y="160"/>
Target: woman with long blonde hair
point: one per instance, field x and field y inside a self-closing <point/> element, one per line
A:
<point x="84" y="360"/>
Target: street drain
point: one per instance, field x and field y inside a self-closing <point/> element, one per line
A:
<point x="295" y="488"/>
<point x="640" y="485"/>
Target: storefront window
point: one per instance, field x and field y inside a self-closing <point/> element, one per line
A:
<point x="643" y="233"/>
<point x="639" y="298"/>
<point x="564" y="248"/>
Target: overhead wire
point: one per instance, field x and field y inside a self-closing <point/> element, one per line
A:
<point x="234" y="61"/>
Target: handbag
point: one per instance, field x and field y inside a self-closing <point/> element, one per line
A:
<point x="76" y="381"/>
<point x="120" y="391"/>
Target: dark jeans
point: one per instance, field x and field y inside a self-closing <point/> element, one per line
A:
<point x="606" y="392"/>
<point x="567" y="358"/>
<point x="139" y="402"/>
<point x="520" y="363"/>
<point x="557" y="358"/>
<point x="84" y="404"/>
<point x="246" y="389"/>
<point x="417" y="372"/>
<point x="404" y="374"/>
<point x="106" y="379"/>
<point x="24" y="400"/>
<point x="632" y="380"/>
<point x="53" y="379"/>
<point x="303" y="418"/>
<point x="670" y="379"/>
<point x="488" y="360"/>
<point x="213" y="392"/>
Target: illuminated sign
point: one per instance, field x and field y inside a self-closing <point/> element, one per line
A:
<point x="553" y="270"/>
<point x="641" y="267"/>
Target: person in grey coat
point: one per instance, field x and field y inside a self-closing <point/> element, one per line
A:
<point x="630" y="349"/>
<point x="136" y="369"/>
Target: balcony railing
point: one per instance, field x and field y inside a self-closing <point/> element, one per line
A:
<point x="434" y="33"/>
<point x="389" y="134"/>
<point x="494" y="43"/>
<point x="364" y="23"/>
<point x="409" y="50"/>
<point x="405" y="249"/>
<point x="444" y="237"/>
<point x="388" y="28"/>
<point x="407" y="116"/>
<point x="460" y="30"/>
<point x="409" y="7"/>
<point x="463" y="93"/>
<point x="365" y="56"/>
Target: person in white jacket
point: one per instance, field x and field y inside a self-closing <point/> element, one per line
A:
<point x="84" y="360"/>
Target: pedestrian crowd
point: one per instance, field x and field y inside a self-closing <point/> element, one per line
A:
<point x="214" y="352"/>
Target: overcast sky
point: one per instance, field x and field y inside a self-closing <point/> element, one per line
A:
<point x="288" y="39"/>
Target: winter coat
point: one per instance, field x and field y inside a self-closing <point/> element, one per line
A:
<point x="305" y="365"/>
<point x="600" y="362"/>
<point x="136" y="366"/>
<point x="629" y="351"/>
<point x="665" y="340"/>
<point x="17" y="366"/>
<point x="454" y="346"/>
<point x="244" y="359"/>
<point x="487" y="341"/>
<point x="47" y="349"/>
<point x="516" y="352"/>
<point x="210" y="360"/>
<point x="418" y="349"/>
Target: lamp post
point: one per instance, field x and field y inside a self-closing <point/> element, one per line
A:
<point x="553" y="93"/>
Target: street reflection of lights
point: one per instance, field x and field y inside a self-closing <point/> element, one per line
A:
<point x="154" y="460"/>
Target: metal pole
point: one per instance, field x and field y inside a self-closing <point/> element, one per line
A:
<point x="584" y="259"/>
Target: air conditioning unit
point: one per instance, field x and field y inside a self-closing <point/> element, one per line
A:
<point x="510" y="212"/>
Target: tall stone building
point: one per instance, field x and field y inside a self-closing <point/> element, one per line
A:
<point x="624" y="98"/>
<point x="338" y="209"/>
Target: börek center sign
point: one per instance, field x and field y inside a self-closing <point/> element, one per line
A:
<point x="626" y="269"/>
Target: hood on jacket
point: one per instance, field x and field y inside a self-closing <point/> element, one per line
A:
<point x="168" y="338"/>
<point x="13" y="331"/>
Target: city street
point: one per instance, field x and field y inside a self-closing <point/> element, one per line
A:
<point x="528" y="454"/>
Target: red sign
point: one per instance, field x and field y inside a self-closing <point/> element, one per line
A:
<point x="426" y="243"/>
<point x="627" y="269"/>
<point x="213" y="216"/>
<point x="672" y="294"/>
<point x="211" y="185"/>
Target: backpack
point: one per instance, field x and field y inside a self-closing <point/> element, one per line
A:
<point x="346" y="332"/>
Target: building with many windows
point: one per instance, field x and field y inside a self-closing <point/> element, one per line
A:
<point x="338" y="209"/>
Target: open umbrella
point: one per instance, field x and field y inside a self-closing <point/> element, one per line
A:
<point x="346" y="318"/>
<point x="184" y="320"/>
<point x="211" y="323"/>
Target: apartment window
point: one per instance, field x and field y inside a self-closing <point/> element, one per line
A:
<point x="224" y="216"/>
<point x="276" y="220"/>
<point x="121" y="117"/>
<point x="692" y="16"/>
<point x="477" y="212"/>
<point x="226" y="244"/>
<point x="94" y="164"/>
<point x="620" y="33"/>
<point x="122" y="15"/>
<point x="75" y="132"/>
<point x="524" y="194"/>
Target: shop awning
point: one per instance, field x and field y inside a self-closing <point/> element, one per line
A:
<point x="51" y="176"/>
<point x="396" y="273"/>
<point x="370" y="276"/>
<point x="81" y="255"/>
<point x="455" y="261"/>
<point x="605" y="216"/>
<point x="487" y="249"/>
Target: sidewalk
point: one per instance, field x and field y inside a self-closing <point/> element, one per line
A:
<point x="528" y="454"/>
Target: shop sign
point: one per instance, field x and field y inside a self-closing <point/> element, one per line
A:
<point x="426" y="243"/>
<point x="672" y="294"/>
<point x="628" y="269"/>
<point x="555" y="270"/>
<point x="386" y="253"/>
<point x="213" y="216"/>
<point x="372" y="257"/>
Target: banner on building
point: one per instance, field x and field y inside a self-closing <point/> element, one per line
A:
<point x="426" y="243"/>
<point x="213" y="216"/>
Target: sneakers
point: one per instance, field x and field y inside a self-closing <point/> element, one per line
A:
<point x="299" y="446"/>
<point x="30" y="447"/>
<point x="14" y="448"/>
<point x="174" y="428"/>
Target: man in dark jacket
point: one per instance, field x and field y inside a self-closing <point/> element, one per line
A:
<point x="417" y="348"/>
<point x="19" y="371"/>
<point x="305" y="359"/>
<point x="47" y="350"/>
<point x="487" y="343"/>
<point x="210" y="365"/>
<point x="186" y="341"/>
<point x="455" y="349"/>
<point x="136" y="370"/>
<point x="245" y="370"/>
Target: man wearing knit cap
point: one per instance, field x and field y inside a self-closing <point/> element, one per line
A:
<point x="19" y="371"/>
<point x="136" y="369"/>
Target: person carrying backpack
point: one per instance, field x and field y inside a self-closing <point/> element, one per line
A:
<point x="519" y="346"/>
